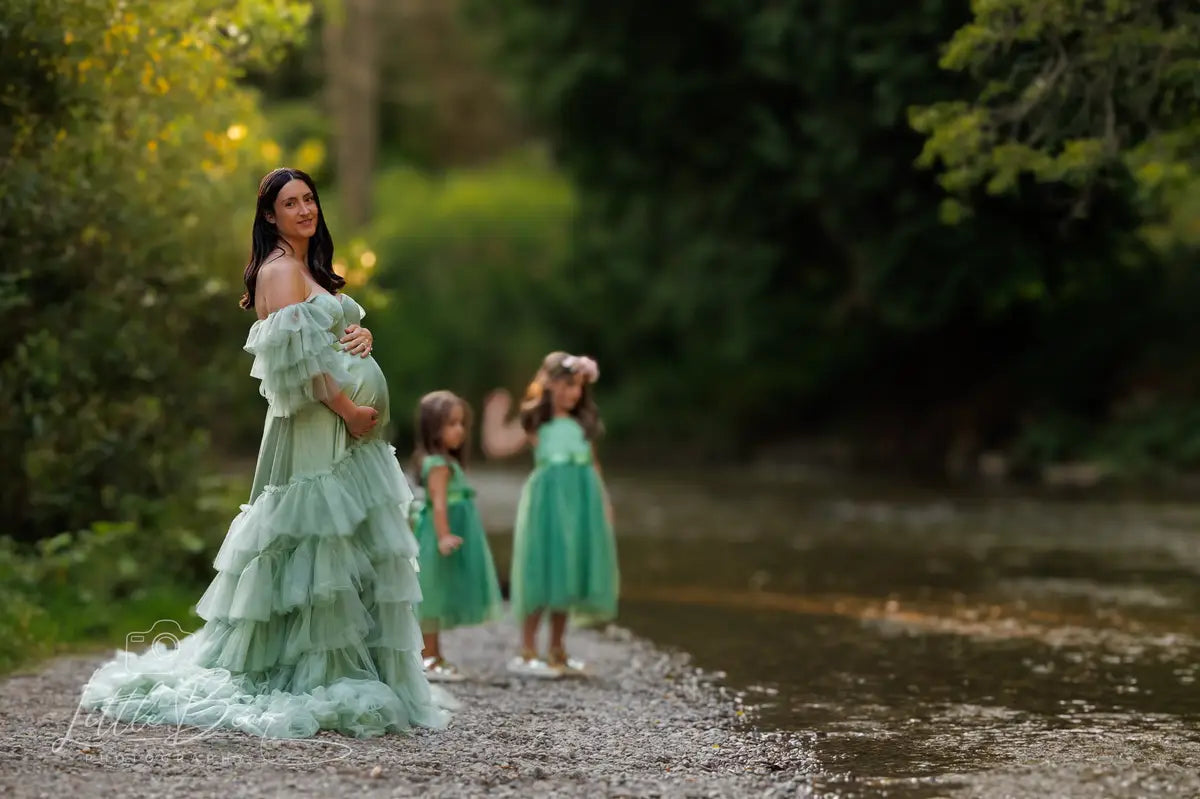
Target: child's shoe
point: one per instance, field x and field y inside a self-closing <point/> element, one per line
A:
<point x="530" y="665"/>
<point x="565" y="665"/>
<point x="438" y="670"/>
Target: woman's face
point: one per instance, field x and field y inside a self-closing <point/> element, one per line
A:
<point x="296" y="213"/>
<point x="565" y="392"/>
<point x="454" y="431"/>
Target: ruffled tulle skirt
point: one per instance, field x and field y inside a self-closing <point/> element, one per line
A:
<point x="310" y="621"/>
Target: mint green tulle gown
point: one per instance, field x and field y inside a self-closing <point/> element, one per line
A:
<point x="309" y="623"/>
<point x="564" y="551"/>
<point x="460" y="589"/>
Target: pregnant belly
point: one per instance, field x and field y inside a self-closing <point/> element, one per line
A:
<point x="369" y="386"/>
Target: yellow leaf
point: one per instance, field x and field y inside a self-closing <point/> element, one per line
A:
<point x="311" y="155"/>
<point x="270" y="151"/>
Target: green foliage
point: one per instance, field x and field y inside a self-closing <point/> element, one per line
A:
<point x="300" y="132"/>
<point x="755" y="248"/>
<point x="128" y="157"/>
<point x="98" y="584"/>
<point x="1080" y="94"/>
<point x="1152" y="442"/>
<point x="23" y="622"/>
<point x="468" y="268"/>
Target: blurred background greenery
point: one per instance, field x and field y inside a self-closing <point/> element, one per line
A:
<point x="865" y="234"/>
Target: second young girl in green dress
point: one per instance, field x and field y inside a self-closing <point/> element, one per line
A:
<point x="564" y="554"/>
<point x="459" y="587"/>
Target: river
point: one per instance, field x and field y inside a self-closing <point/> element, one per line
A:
<point x="929" y="641"/>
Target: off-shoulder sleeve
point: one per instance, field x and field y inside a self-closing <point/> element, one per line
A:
<point x="353" y="311"/>
<point x="294" y="350"/>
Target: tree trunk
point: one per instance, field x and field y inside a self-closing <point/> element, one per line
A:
<point x="352" y="64"/>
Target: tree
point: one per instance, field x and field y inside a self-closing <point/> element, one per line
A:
<point x="128" y="159"/>
<point x="1088" y="95"/>
<point x="441" y="105"/>
<point x="756" y="253"/>
<point x="351" y="38"/>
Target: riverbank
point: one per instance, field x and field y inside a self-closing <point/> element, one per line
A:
<point x="646" y="724"/>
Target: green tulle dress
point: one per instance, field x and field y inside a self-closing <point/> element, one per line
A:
<point x="309" y="623"/>
<point x="564" y="552"/>
<point x="460" y="589"/>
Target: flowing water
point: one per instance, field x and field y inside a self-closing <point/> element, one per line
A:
<point x="929" y="643"/>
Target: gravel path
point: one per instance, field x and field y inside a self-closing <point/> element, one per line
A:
<point x="646" y="724"/>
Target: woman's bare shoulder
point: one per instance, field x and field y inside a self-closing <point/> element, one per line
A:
<point x="280" y="282"/>
<point x="278" y="267"/>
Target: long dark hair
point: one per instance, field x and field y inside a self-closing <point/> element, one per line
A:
<point x="538" y="406"/>
<point x="264" y="237"/>
<point x="432" y="413"/>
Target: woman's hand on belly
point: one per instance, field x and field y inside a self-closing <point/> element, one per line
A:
<point x="358" y="341"/>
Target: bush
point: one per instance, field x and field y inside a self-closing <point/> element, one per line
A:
<point x="469" y="269"/>
<point x="100" y="583"/>
<point x="128" y="157"/>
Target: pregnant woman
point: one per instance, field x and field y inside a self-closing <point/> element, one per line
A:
<point x="309" y="622"/>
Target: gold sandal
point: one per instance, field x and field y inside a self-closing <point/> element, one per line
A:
<point x="438" y="670"/>
<point x="568" y="666"/>
<point x="530" y="665"/>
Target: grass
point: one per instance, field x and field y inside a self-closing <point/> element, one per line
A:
<point x="54" y="628"/>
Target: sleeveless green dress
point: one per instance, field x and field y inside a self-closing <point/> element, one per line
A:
<point x="564" y="551"/>
<point x="309" y="623"/>
<point x="460" y="589"/>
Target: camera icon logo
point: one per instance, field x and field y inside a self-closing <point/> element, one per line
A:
<point x="164" y="633"/>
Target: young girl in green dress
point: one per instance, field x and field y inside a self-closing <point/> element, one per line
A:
<point x="564" y="553"/>
<point x="458" y="578"/>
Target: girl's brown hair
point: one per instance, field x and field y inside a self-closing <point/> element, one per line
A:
<point x="433" y="411"/>
<point x="538" y="406"/>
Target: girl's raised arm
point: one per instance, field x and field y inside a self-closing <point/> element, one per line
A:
<point x="500" y="436"/>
